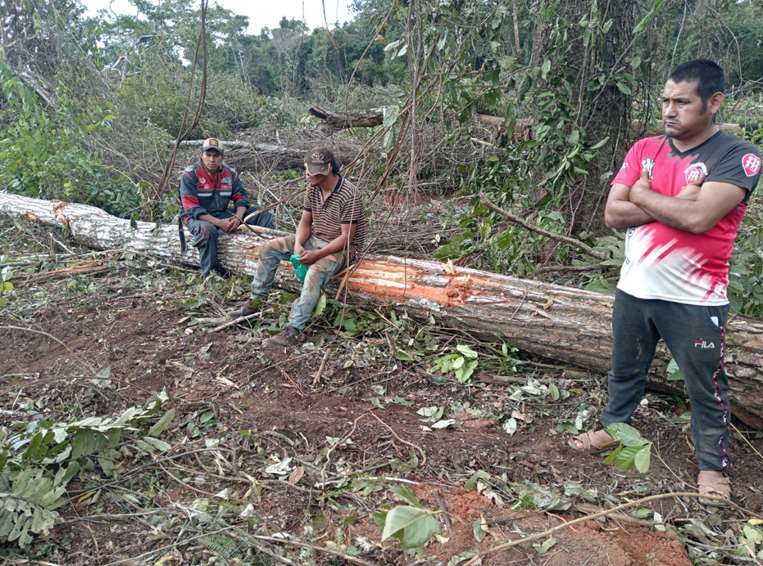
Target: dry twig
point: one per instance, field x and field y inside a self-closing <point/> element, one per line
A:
<point x="317" y="377"/>
<point x="586" y="249"/>
<point x="414" y="446"/>
<point x="614" y="510"/>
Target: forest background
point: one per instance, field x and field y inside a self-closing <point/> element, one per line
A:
<point x="90" y="107"/>
<point x="132" y="428"/>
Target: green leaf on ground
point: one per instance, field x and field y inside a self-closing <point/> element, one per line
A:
<point x="544" y="547"/>
<point x="412" y="526"/>
<point x="406" y="494"/>
<point x="626" y="434"/>
<point x="320" y="307"/>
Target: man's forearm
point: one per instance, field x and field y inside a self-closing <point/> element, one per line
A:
<point x="335" y="245"/>
<point x="303" y="233"/>
<point x="623" y="214"/>
<point x="240" y="211"/>
<point x="209" y="218"/>
<point x="678" y="213"/>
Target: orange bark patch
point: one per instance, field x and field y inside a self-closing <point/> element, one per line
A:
<point x="391" y="281"/>
<point x="59" y="213"/>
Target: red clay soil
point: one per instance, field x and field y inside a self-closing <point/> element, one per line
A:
<point x="147" y="349"/>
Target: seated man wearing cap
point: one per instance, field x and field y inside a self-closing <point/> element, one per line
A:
<point x="206" y="191"/>
<point x="330" y="235"/>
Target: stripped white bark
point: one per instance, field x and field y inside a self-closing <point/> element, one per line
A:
<point x="561" y="323"/>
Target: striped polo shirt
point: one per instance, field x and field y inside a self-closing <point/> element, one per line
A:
<point x="343" y="206"/>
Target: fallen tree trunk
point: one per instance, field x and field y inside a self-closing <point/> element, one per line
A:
<point x="555" y="322"/>
<point x="257" y="156"/>
<point x="522" y="128"/>
<point x="332" y="122"/>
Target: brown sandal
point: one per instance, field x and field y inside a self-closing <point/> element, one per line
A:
<point x="713" y="483"/>
<point x="593" y="441"/>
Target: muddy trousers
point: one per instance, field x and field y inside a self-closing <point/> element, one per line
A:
<point x="205" y="235"/>
<point x="317" y="276"/>
<point x="695" y="337"/>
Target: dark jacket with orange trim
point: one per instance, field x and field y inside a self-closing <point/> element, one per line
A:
<point x="202" y="192"/>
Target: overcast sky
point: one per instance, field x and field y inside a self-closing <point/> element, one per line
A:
<point x="261" y="13"/>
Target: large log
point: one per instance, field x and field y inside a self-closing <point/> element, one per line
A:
<point x="257" y="156"/>
<point x="332" y="122"/>
<point x="561" y="323"/>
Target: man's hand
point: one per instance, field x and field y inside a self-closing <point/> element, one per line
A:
<point x="640" y="186"/>
<point x="228" y="224"/>
<point x="691" y="191"/>
<point x="298" y="249"/>
<point x="309" y="257"/>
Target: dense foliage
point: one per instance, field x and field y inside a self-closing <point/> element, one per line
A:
<point x="91" y="104"/>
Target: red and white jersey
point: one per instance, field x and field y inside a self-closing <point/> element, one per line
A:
<point x="669" y="264"/>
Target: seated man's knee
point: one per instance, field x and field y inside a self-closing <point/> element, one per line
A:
<point x="204" y="232"/>
<point x="267" y="220"/>
<point x="274" y="246"/>
<point x="264" y="219"/>
<point x="313" y="281"/>
<point x="319" y="272"/>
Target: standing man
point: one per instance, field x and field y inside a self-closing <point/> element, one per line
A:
<point x="329" y="236"/>
<point x="681" y="198"/>
<point x="206" y="191"/>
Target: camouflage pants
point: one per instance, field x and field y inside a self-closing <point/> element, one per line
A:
<point x="317" y="276"/>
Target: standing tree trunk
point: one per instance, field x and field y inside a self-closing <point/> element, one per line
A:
<point x="604" y="112"/>
<point x="583" y="54"/>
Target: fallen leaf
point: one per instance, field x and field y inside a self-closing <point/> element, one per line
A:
<point x="296" y="475"/>
<point x="226" y="381"/>
<point x="524" y="417"/>
<point x="472" y="421"/>
<point x="510" y="426"/>
<point x="486" y="491"/>
<point x="224" y="494"/>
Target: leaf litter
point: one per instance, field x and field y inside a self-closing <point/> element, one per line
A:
<point x="242" y="452"/>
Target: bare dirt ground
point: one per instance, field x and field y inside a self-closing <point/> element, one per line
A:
<point x="339" y="415"/>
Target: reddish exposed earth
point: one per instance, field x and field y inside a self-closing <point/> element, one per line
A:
<point x="147" y="343"/>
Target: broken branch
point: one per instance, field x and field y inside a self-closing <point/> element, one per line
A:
<point x="585" y="248"/>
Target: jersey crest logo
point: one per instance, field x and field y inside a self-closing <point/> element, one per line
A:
<point x="695" y="172"/>
<point x="750" y="164"/>
<point x="648" y="164"/>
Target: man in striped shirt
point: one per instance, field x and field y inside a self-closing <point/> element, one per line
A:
<point x="330" y="235"/>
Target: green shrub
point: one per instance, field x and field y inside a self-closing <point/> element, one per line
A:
<point x="44" y="153"/>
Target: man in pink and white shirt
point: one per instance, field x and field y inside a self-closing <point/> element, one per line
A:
<point x="681" y="197"/>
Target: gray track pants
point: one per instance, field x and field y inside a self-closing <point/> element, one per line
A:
<point x="695" y="336"/>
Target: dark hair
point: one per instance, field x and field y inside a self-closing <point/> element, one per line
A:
<point x="336" y="165"/>
<point x="707" y="73"/>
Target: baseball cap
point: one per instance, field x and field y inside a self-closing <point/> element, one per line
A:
<point x="212" y="143"/>
<point x="318" y="161"/>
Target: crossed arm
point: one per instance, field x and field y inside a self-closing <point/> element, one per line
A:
<point x="696" y="209"/>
